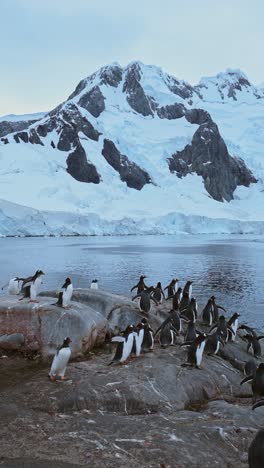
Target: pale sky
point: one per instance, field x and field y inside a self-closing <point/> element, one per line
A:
<point x="48" y="46"/>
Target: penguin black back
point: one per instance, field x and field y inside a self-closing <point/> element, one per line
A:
<point x="256" y="451"/>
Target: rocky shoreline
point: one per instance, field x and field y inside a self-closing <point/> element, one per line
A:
<point x="150" y="412"/>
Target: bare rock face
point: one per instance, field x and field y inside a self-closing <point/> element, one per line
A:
<point x="111" y="75"/>
<point x="80" y="168"/>
<point x="131" y="173"/>
<point x="42" y="327"/>
<point x="208" y="157"/>
<point x="93" y="101"/>
<point x="172" y="111"/>
<point x="9" y="127"/>
<point x="135" y="93"/>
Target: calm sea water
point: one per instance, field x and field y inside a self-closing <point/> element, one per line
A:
<point x="231" y="268"/>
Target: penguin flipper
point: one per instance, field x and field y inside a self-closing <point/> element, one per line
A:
<point x="258" y="404"/>
<point x="135" y="297"/>
<point x="247" y="379"/>
<point x="213" y="327"/>
<point x="231" y="330"/>
<point x="260" y="337"/>
<point x="186" y="343"/>
<point x="134" y="287"/>
<point x="184" y="318"/>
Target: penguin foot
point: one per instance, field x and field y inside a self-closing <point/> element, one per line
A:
<point x="63" y="378"/>
<point x="52" y="378"/>
<point x="199" y="367"/>
<point x="66" y="307"/>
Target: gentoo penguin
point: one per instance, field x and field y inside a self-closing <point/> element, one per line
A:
<point x="250" y="367"/>
<point x="185" y="301"/>
<point x="191" y="310"/>
<point x="145" y="298"/>
<point x="31" y="286"/>
<point x="94" y="284"/>
<point x="254" y="346"/>
<point x="215" y="308"/>
<point x="207" y="313"/>
<point x="257" y="383"/>
<point x="158" y="293"/>
<point x="138" y="339"/>
<point x="148" y="338"/>
<point x="191" y="332"/>
<point x="140" y="285"/>
<point x="176" y="299"/>
<point x="222" y="328"/>
<point x="195" y="351"/>
<point x="124" y="345"/>
<point x="60" y="360"/>
<point x="213" y="343"/>
<point x="188" y="289"/>
<point x="256" y="451"/>
<point x="167" y="333"/>
<point x="174" y="319"/>
<point x="14" y="286"/>
<point x="171" y="288"/>
<point x="65" y="295"/>
<point x="233" y="323"/>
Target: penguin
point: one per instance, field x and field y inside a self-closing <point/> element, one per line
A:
<point x="124" y="345"/>
<point x="207" y="313"/>
<point x="188" y="289"/>
<point x="185" y="301"/>
<point x="14" y="286"/>
<point x="222" y="328"/>
<point x="233" y="323"/>
<point x="213" y="343"/>
<point x="60" y="360"/>
<point x="250" y="367"/>
<point x="65" y="295"/>
<point x="148" y="338"/>
<point x="167" y="333"/>
<point x="138" y="340"/>
<point x="171" y="288"/>
<point x="195" y="351"/>
<point x="140" y="285"/>
<point x="257" y="383"/>
<point x="174" y="319"/>
<point x="94" y="284"/>
<point x="254" y="346"/>
<point x="191" y="310"/>
<point x="191" y="332"/>
<point x="176" y="298"/>
<point x="179" y="294"/>
<point x="256" y="451"/>
<point x="31" y="285"/>
<point x="145" y="298"/>
<point x="215" y="308"/>
<point x="158" y="293"/>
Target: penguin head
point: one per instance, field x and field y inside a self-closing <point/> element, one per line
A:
<point x="144" y="321"/>
<point x="176" y="280"/>
<point x="193" y="300"/>
<point x="95" y="281"/>
<point x="189" y="282"/>
<point x="39" y="273"/>
<point x="158" y="285"/>
<point x="142" y="277"/>
<point x="66" y="342"/>
<point x="261" y="367"/>
<point x="222" y="319"/>
<point x="236" y="315"/>
<point x="213" y="298"/>
<point x="179" y="290"/>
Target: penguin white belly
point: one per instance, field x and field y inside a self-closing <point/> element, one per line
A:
<point x="60" y="362"/>
<point x="217" y="347"/>
<point x="172" y="337"/>
<point x="190" y="292"/>
<point x="94" y="286"/>
<point x="152" y="340"/>
<point x="34" y="288"/>
<point x="66" y="295"/>
<point x="210" y="318"/>
<point x="127" y="348"/>
<point x="234" y="328"/>
<point x="139" y="339"/>
<point x="199" y="353"/>
<point x="13" y="287"/>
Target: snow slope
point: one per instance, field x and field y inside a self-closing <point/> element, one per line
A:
<point x="35" y="175"/>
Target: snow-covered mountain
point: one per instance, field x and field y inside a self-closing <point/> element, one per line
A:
<point x="137" y="150"/>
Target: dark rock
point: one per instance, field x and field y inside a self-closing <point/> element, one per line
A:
<point x="173" y="111"/>
<point x="197" y="116"/>
<point x="22" y="136"/>
<point x="111" y="75"/>
<point x="79" y="168"/>
<point x="7" y="127"/>
<point x="208" y="157"/>
<point x="52" y="144"/>
<point x="135" y="93"/>
<point x="129" y="172"/>
<point x="93" y="101"/>
<point x="12" y="341"/>
<point x="34" y="138"/>
<point x="182" y="89"/>
<point x="68" y="137"/>
<point x="5" y="141"/>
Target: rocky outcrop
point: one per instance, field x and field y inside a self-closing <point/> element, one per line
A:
<point x="42" y="327"/>
<point x="172" y="111"/>
<point x="93" y="101"/>
<point x="208" y="157"/>
<point x="111" y="75"/>
<point x="129" y="172"/>
<point x="79" y="168"/>
<point x="135" y="93"/>
<point x="10" y="127"/>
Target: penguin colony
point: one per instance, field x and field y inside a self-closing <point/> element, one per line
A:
<point x="137" y="339"/>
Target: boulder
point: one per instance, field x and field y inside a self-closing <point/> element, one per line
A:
<point x="41" y="327"/>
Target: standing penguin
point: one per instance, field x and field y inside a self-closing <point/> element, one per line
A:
<point x="188" y="289"/>
<point x="60" y="360"/>
<point x="94" y="284"/>
<point x="250" y="367"/>
<point x="145" y="298"/>
<point x="222" y="328"/>
<point x="195" y="351"/>
<point x="65" y="295"/>
<point x="257" y="383"/>
<point x="140" y="285"/>
<point x="158" y="293"/>
<point x="185" y="301"/>
<point x="167" y="333"/>
<point x="191" y="332"/>
<point x="191" y="310"/>
<point x="138" y="339"/>
<point x="254" y="346"/>
<point x="31" y="286"/>
<point x="148" y="338"/>
<point x="174" y="319"/>
<point x="124" y="345"/>
<point x="207" y="313"/>
<point x="215" y="308"/>
<point x="256" y="451"/>
<point x="171" y="288"/>
<point x="213" y="343"/>
<point x="233" y="323"/>
<point x="14" y="286"/>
